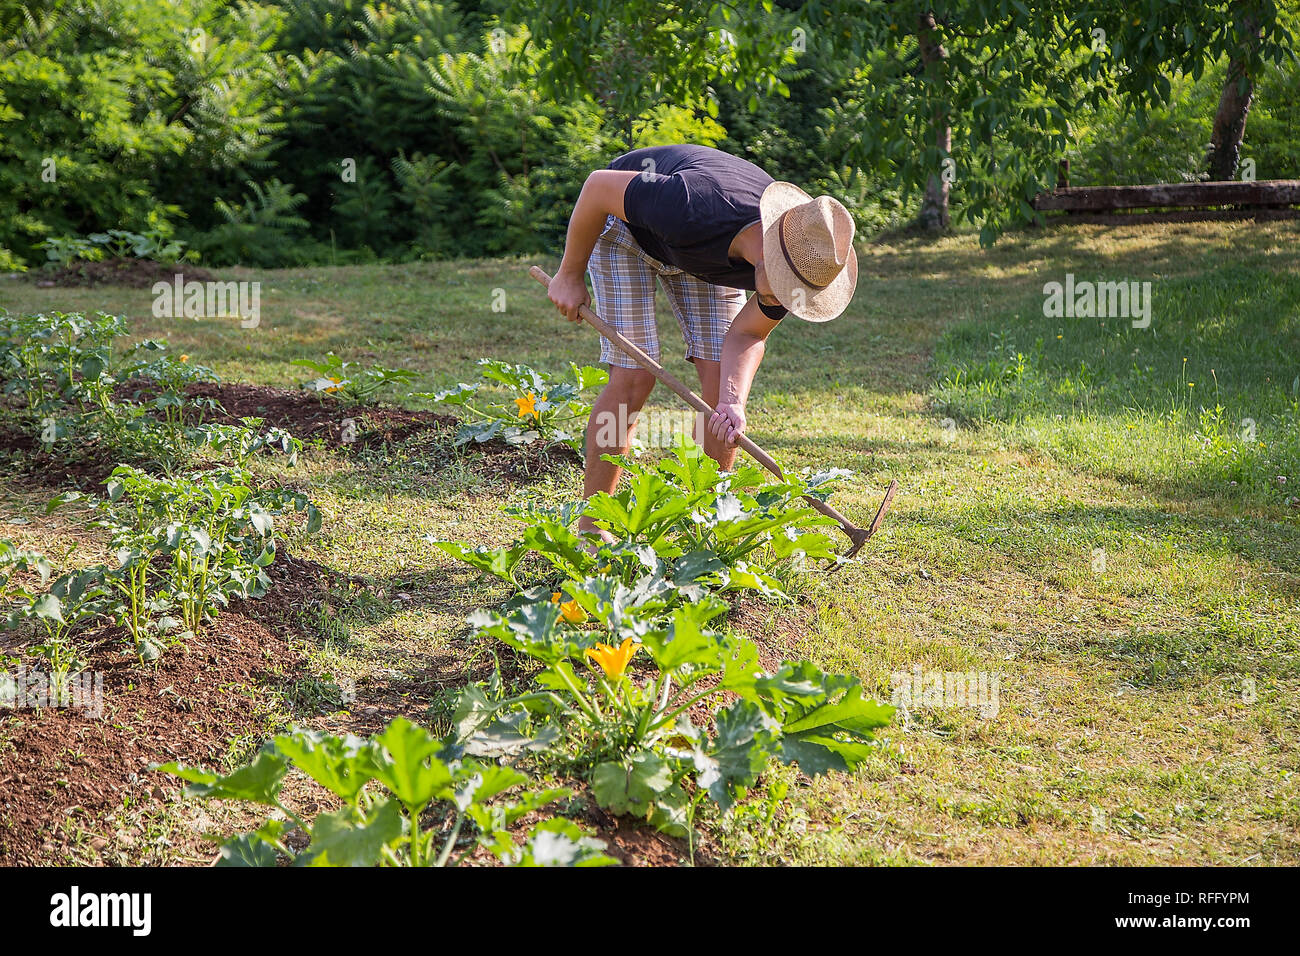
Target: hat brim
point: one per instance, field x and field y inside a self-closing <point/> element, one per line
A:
<point x="817" y="305"/>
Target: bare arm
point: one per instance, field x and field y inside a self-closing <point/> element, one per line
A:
<point x="602" y="196"/>
<point x="742" y="352"/>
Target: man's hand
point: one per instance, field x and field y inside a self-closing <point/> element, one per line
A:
<point x="727" y="422"/>
<point x="569" y="293"/>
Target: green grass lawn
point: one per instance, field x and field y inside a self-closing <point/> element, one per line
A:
<point x="1099" y="517"/>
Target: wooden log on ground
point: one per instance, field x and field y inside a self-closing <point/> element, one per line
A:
<point x="1268" y="214"/>
<point x="1265" y="192"/>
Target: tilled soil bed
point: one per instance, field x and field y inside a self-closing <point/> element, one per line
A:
<point x="352" y="429"/>
<point x="356" y="428"/>
<point x="309" y="416"/>
<point x="133" y="273"/>
<point x="64" y="769"/>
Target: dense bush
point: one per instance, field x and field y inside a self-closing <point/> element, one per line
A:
<point x="120" y="114"/>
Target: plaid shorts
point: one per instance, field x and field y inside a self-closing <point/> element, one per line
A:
<point x="623" y="280"/>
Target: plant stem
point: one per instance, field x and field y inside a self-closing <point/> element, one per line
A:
<point x="451" y="841"/>
<point x="588" y="708"/>
<point x="690" y="825"/>
<point x="294" y="817"/>
<point x="667" y="718"/>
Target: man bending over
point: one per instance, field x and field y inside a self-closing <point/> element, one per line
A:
<point x="709" y="226"/>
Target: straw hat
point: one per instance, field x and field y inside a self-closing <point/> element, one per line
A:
<point x="808" y="251"/>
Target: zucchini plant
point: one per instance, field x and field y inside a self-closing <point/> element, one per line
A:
<point x="183" y="547"/>
<point x="351" y="381"/>
<point x="681" y="520"/>
<point x="408" y="799"/>
<point x="213" y="530"/>
<point x="637" y="693"/>
<point x="536" y="406"/>
<point x="633" y="732"/>
<point x="65" y="369"/>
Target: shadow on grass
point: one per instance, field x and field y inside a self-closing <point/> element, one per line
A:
<point x="1216" y="370"/>
<point x="1271" y="548"/>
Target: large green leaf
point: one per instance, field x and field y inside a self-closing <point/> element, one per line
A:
<point x="624" y="611"/>
<point x="689" y="468"/>
<point x="560" y="546"/>
<point x="644" y="510"/>
<point x="479" y="783"/>
<point x="685" y="644"/>
<point x="473" y="710"/>
<point x="671" y="814"/>
<point x="342" y="765"/>
<point x="247" y="851"/>
<point x="816" y="545"/>
<point x="746" y="577"/>
<point x="531" y="629"/>
<point x="48" y="607"/>
<point x="632" y="786"/>
<point x="511" y="734"/>
<point x="818" y="753"/>
<point x="826" y="723"/>
<point x="503" y="814"/>
<point x="254" y="848"/>
<point x="746" y="738"/>
<point x="610" y="513"/>
<point x="588" y="376"/>
<point x="407" y="764"/>
<point x="498" y="561"/>
<point x="258" y="782"/>
<point x="560" y="842"/>
<point x="694" y="565"/>
<point x="348" y="838"/>
<point x="741" y="668"/>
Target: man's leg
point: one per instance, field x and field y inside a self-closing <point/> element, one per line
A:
<point x="609" y="431"/>
<point x="623" y="284"/>
<point x="710" y="374"/>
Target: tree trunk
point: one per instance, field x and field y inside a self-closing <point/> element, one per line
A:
<point x="1234" y="104"/>
<point x="933" y="216"/>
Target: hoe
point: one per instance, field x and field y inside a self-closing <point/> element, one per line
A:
<point x="857" y="536"/>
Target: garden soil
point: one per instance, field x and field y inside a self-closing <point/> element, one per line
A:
<point x="133" y="273"/>
<point x="308" y="417"/>
<point x="62" y="770"/>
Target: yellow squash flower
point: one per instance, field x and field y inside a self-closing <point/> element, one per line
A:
<point x="572" y="612"/>
<point x="613" y="660"/>
<point x="528" y="405"/>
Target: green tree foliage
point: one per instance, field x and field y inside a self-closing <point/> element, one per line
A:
<point x="1271" y="139"/>
<point x="1011" y="77"/>
<point x="1121" y="142"/>
<point x="977" y="94"/>
<point x="262" y="229"/>
<point x="125" y="114"/>
<point x="408" y="132"/>
<point x="631" y="56"/>
<point x="805" y="137"/>
<point x="296" y="131"/>
<point x="1112" y="148"/>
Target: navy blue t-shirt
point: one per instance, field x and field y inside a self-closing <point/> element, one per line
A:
<point x="687" y="206"/>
